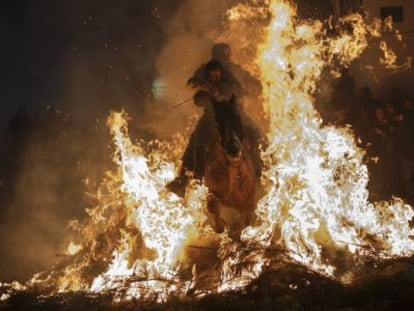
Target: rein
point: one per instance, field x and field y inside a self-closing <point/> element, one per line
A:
<point x="228" y="162"/>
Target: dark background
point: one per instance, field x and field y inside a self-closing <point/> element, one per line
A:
<point x="100" y="46"/>
<point x="106" y="48"/>
<point x="64" y="64"/>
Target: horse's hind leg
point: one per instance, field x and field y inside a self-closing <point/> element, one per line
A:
<point x="213" y="207"/>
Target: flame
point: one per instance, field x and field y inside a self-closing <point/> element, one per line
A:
<point x="73" y="248"/>
<point x="317" y="198"/>
<point x="9" y="288"/>
<point x="316" y="201"/>
<point x="148" y="226"/>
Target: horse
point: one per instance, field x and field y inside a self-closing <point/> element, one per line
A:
<point x="232" y="166"/>
<point x="223" y="151"/>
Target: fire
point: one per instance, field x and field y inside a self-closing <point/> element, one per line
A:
<point x="73" y="248"/>
<point x="390" y="58"/>
<point x="316" y="202"/>
<point x="148" y="226"/>
<point x="317" y="198"/>
<point x="14" y="286"/>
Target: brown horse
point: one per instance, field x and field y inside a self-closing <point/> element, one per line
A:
<point x="232" y="165"/>
<point x="223" y="151"/>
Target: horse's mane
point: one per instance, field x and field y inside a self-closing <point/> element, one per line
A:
<point x="228" y="113"/>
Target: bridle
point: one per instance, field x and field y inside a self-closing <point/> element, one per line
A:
<point x="229" y="160"/>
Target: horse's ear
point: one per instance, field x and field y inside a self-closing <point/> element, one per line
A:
<point x="233" y="99"/>
<point x="214" y="103"/>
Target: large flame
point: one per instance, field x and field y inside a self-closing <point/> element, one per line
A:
<point x="316" y="202"/>
<point x="146" y="225"/>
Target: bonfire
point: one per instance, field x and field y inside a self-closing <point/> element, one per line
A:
<point x="144" y="244"/>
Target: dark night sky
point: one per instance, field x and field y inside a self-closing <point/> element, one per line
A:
<point x="84" y="57"/>
<point x="42" y="41"/>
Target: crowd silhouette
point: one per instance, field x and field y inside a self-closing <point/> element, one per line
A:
<point x="383" y="123"/>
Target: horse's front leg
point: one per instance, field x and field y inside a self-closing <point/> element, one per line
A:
<point x="245" y="219"/>
<point x="213" y="206"/>
<point x="179" y="184"/>
<point x="247" y="216"/>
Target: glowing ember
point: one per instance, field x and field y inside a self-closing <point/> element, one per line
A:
<point x="315" y="205"/>
<point x="9" y="288"/>
<point x="73" y="248"/>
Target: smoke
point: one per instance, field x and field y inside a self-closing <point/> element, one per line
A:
<point x="91" y="59"/>
<point x="87" y="59"/>
<point x="187" y="45"/>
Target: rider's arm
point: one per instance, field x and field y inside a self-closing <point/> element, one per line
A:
<point x="197" y="78"/>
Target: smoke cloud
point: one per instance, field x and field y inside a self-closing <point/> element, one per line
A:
<point x="187" y="45"/>
<point x="90" y="59"/>
<point x="87" y="59"/>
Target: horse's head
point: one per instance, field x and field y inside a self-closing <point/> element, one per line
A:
<point x="230" y="128"/>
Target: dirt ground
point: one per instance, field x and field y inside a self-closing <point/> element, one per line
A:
<point x="282" y="286"/>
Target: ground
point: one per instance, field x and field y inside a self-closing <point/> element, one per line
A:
<point x="282" y="286"/>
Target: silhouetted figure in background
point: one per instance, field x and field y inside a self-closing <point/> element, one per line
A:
<point x="343" y="97"/>
<point x="384" y="171"/>
<point x="404" y="149"/>
<point x="362" y="113"/>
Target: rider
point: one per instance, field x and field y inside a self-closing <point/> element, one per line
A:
<point x="213" y="84"/>
<point x="221" y="52"/>
<point x="216" y="83"/>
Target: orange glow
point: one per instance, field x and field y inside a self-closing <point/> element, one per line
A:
<point x="73" y="248"/>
